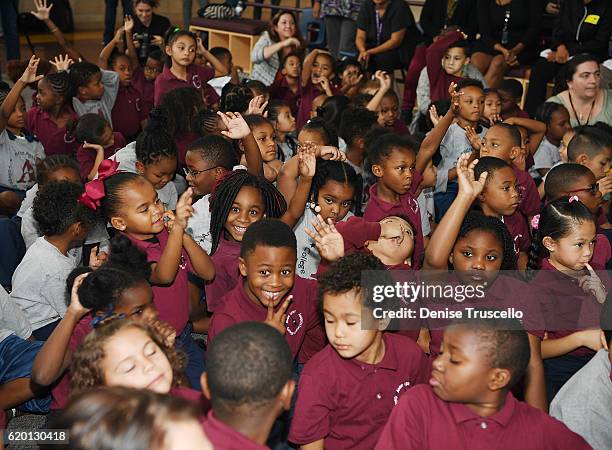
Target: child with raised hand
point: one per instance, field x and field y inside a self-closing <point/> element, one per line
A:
<point x="240" y="200"/>
<point x="97" y="141"/>
<point x="38" y="282"/>
<point x="386" y="104"/>
<point x="350" y="74"/>
<point x="52" y="117"/>
<point x="244" y="408"/>
<point x="500" y="198"/>
<point x="118" y="418"/>
<point x="492" y="108"/>
<point x="478" y="247"/>
<point x="467" y="105"/>
<point x="288" y="88"/>
<point x="569" y="290"/>
<point x="347" y="390"/>
<point x="128" y="114"/>
<point x="43" y="13"/>
<point x="20" y="150"/>
<point x="283" y="121"/>
<point x="180" y="69"/>
<point x="143" y="79"/>
<point x="154" y="156"/>
<point x="132" y="206"/>
<point x="556" y="118"/>
<point x="263" y="131"/>
<point x="317" y="74"/>
<point x="95" y="90"/>
<point x="268" y="290"/>
<point x="469" y="390"/>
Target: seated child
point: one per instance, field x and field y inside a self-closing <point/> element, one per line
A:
<point x="468" y="403"/>
<point x="98" y="142"/>
<point x="567" y="137"/>
<point x="500" y="198"/>
<point x="347" y="390"/>
<point x="289" y="87"/>
<point x="511" y="92"/>
<point x="244" y="407"/>
<point x="230" y="74"/>
<point x="268" y="290"/>
<point x="143" y="79"/>
<point x="583" y="403"/>
<point x="317" y="74"/>
<point x="279" y="114"/>
<point x="556" y="118"/>
<point x="351" y="75"/>
<point x="263" y="131"/>
<point x="95" y="90"/>
<point x="39" y="281"/>
<point x="154" y="156"/>
<point x="355" y="124"/>
<point x="258" y="89"/>
<point x="492" y="108"/>
<point x="20" y="149"/>
<point x="592" y="147"/>
<point x="118" y="418"/>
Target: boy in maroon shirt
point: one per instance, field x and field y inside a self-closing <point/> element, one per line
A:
<point x="468" y="404"/>
<point x="348" y="389"/>
<point x="248" y="381"/>
<point x="268" y="290"/>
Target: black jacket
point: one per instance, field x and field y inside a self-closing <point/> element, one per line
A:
<point x="584" y="28"/>
<point x="434" y="18"/>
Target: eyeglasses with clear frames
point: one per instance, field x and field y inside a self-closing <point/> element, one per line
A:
<point x="195" y="173"/>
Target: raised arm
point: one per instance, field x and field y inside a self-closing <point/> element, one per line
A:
<point x="128" y="26"/>
<point x="108" y="49"/>
<point x="385" y="84"/>
<point x="535" y="128"/>
<point x="237" y="128"/>
<point x="217" y="65"/>
<point x="9" y="103"/>
<point x="307" y="66"/>
<point x="43" y="13"/>
<point x="307" y="163"/>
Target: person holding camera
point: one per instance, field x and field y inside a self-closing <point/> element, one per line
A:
<point x="149" y="28"/>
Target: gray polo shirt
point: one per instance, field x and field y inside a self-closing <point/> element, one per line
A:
<point x="12" y="319"/>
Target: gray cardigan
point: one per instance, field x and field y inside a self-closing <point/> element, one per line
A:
<point x="264" y="70"/>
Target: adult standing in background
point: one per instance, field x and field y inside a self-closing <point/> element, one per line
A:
<point x="386" y="34"/>
<point x="340" y="24"/>
<point x="8" y="15"/>
<point x="149" y="28"/>
<point x="509" y="32"/>
<point x="110" y="15"/>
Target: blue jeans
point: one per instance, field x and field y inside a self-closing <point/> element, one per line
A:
<point x="8" y="15"/>
<point x="43" y="333"/>
<point x="16" y="359"/>
<point x="195" y="357"/>
<point x="110" y="14"/>
<point x="558" y="370"/>
<point x="443" y="200"/>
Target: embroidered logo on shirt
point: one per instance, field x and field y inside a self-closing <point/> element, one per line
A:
<point x="294" y="322"/>
<point x="195" y="80"/>
<point x="403" y="387"/>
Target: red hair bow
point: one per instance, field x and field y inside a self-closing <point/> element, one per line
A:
<point x="94" y="190"/>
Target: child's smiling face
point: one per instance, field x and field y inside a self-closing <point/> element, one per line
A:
<point x="322" y="67"/>
<point x="248" y="207"/>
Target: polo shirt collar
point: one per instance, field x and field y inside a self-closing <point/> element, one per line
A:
<point x="219" y="428"/>
<point x="386" y="207"/>
<point x="389" y="362"/>
<point x="462" y="413"/>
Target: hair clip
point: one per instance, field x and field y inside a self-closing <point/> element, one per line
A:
<point x="97" y="320"/>
<point x="574" y="198"/>
<point x="535" y="221"/>
<point x="316" y="208"/>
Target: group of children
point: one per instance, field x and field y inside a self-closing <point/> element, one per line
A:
<point x="157" y="207"/>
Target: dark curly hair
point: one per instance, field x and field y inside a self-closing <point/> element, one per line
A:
<point x="81" y="73"/>
<point x="326" y="130"/>
<point x="50" y="164"/>
<point x="154" y="143"/>
<point x="235" y="98"/>
<point x="356" y="122"/>
<point x="56" y="208"/>
<point x="85" y="369"/>
<point x="182" y="105"/>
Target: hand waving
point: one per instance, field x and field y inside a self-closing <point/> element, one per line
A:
<point x="29" y="74"/>
<point x="61" y="63"/>
<point x="307" y="163"/>
<point x="42" y="10"/>
<point x="237" y="127"/>
<point x="468" y="184"/>
<point x="328" y="240"/>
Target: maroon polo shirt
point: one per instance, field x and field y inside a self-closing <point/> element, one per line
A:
<point x="400" y="128"/>
<point x="422" y="420"/>
<point x="308" y="94"/>
<point x="377" y="209"/>
<point x="182" y="142"/>
<point x="528" y="191"/>
<point x="146" y="89"/>
<point x="128" y="112"/>
<point x="192" y="396"/>
<point x="55" y="140"/>
<point x="601" y="253"/>
<point x="197" y="78"/>
<point x="172" y="302"/>
<point x="517" y="227"/>
<point x="347" y="402"/>
<point x="227" y="274"/>
<point x="86" y="157"/>
<point x="224" y="437"/>
<point x="302" y="314"/>
<point x="280" y="90"/>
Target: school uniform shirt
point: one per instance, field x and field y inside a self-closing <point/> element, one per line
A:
<point x="224" y="437"/>
<point x="453" y="145"/>
<point x="602" y="252"/>
<point x="39" y="283"/>
<point x="422" y="420"/>
<point x="346" y="402"/>
<point x="55" y="140"/>
<point x="192" y="396"/>
<point x="182" y="142"/>
<point x="308" y="94"/>
<point x="519" y="231"/>
<point x="146" y="89"/>
<point x="18" y="157"/>
<point x="197" y="78"/>
<point x="104" y="106"/>
<point x="126" y="157"/>
<point x="302" y="314"/>
<point x="546" y="156"/>
<point x="529" y="203"/>
<point x="172" y="302"/>
<point x="227" y="274"/>
<point x="378" y="209"/>
<point x="128" y="112"/>
<point x="584" y="403"/>
<point x="280" y="90"/>
<point x="86" y="157"/>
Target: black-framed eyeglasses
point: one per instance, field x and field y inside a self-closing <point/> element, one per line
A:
<point x="195" y="173"/>
<point x="592" y="189"/>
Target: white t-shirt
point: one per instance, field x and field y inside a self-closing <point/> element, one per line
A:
<point x="39" y="283"/>
<point x="546" y="156"/>
<point x="12" y="318"/>
<point x="426" y="205"/>
<point x="198" y="226"/>
<point x="18" y="156"/>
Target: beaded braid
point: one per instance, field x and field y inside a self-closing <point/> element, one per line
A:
<point x="224" y="193"/>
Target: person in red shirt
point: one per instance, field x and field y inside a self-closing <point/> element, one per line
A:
<point x="249" y="383"/>
<point x="181" y="70"/>
<point x="468" y="403"/>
